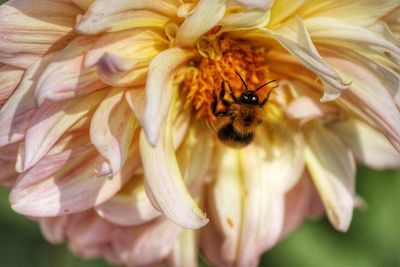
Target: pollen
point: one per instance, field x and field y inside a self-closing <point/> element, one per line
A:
<point x="219" y="58"/>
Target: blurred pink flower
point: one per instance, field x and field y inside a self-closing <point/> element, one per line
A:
<point x="105" y="107"/>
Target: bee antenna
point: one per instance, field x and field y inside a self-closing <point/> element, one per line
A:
<point x="258" y="88"/>
<point x="245" y="85"/>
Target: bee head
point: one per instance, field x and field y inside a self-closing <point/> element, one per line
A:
<point x="249" y="97"/>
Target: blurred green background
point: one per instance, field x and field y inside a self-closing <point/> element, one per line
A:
<point x="373" y="239"/>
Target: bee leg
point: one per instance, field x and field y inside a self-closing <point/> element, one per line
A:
<point x="265" y="101"/>
<point x="232" y="94"/>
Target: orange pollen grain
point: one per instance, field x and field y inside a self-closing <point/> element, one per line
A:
<point x="220" y="57"/>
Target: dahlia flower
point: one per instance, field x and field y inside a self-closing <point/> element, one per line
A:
<point x="110" y="115"/>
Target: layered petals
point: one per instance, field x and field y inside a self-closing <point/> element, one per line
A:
<point x="332" y="168"/>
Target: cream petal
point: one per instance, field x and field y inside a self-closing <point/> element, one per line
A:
<point x="159" y="89"/>
<point x="296" y="39"/>
<point x="263" y="207"/>
<point x="333" y="30"/>
<point x="8" y="157"/>
<point x="361" y="12"/>
<point x="250" y="4"/>
<point x="83" y="4"/>
<point x="164" y="182"/>
<point x="205" y="15"/>
<point x="184" y="252"/>
<point x="283" y="9"/>
<point x="129" y="208"/>
<point x="66" y="183"/>
<point x="124" y="15"/>
<point x="307" y="108"/>
<point x="53" y="229"/>
<point x="50" y="121"/>
<point x="332" y="168"/>
<point x="136" y="99"/>
<point x="65" y="77"/>
<point x="368" y="97"/>
<point x="112" y="128"/>
<point x="369" y="146"/>
<point x="226" y="205"/>
<point x="30" y="29"/>
<point x="15" y="114"/>
<point x="10" y="78"/>
<point x="147" y="244"/>
<point x="246" y="19"/>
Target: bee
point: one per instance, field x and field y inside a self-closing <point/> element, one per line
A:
<point x="239" y="121"/>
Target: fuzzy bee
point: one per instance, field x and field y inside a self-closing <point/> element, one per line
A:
<point x="238" y="122"/>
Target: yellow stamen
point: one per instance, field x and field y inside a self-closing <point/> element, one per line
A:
<point x="220" y="57"/>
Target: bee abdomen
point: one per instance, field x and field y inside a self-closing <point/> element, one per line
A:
<point x="230" y="137"/>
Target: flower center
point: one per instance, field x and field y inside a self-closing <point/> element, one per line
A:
<point x="220" y="57"/>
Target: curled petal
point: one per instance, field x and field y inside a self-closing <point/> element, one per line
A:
<point x="136" y="99"/>
<point x="51" y="121"/>
<point x="298" y="42"/>
<point x="332" y="168"/>
<point x="15" y="114"/>
<point x="129" y="208"/>
<point x="164" y="181"/>
<point x="66" y="77"/>
<point x="50" y="28"/>
<point x="246" y="19"/>
<point x="66" y="183"/>
<point x="369" y="146"/>
<point x="206" y="15"/>
<point x="159" y="89"/>
<point x="112" y="128"/>
<point x="124" y="15"/>
<point x="10" y="77"/>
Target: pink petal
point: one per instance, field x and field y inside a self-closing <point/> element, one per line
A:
<point x="67" y="183"/>
<point x="16" y="112"/>
<point x="147" y="244"/>
<point x="306" y="108"/>
<point x="66" y="77"/>
<point x="50" y="121"/>
<point x="10" y="77"/>
<point x="29" y="29"/>
<point x="53" y="229"/>
<point x="129" y="208"/>
<point x="112" y="128"/>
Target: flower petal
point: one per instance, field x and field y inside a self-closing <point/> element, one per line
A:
<point x="283" y="9"/>
<point x="358" y="136"/>
<point x="15" y="114"/>
<point x="263" y="207"/>
<point x="164" y="181"/>
<point x="368" y="97"/>
<point x="306" y="108"/>
<point x="50" y="121"/>
<point x="246" y="19"/>
<point x="136" y="99"/>
<point x="67" y="183"/>
<point x="66" y="77"/>
<point x="147" y="244"/>
<point x="124" y="15"/>
<point x="159" y="89"/>
<point x="333" y="30"/>
<point x="30" y="29"/>
<point x="130" y="207"/>
<point x="112" y="128"/>
<point x="53" y="229"/>
<point x="10" y="77"/>
<point x="332" y="168"/>
<point x="225" y="204"/>
<point x="206" y="15"/>
<point x="298" y="42"/>
<point x="184" y="252"/>
<point x="361" y="12"/>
